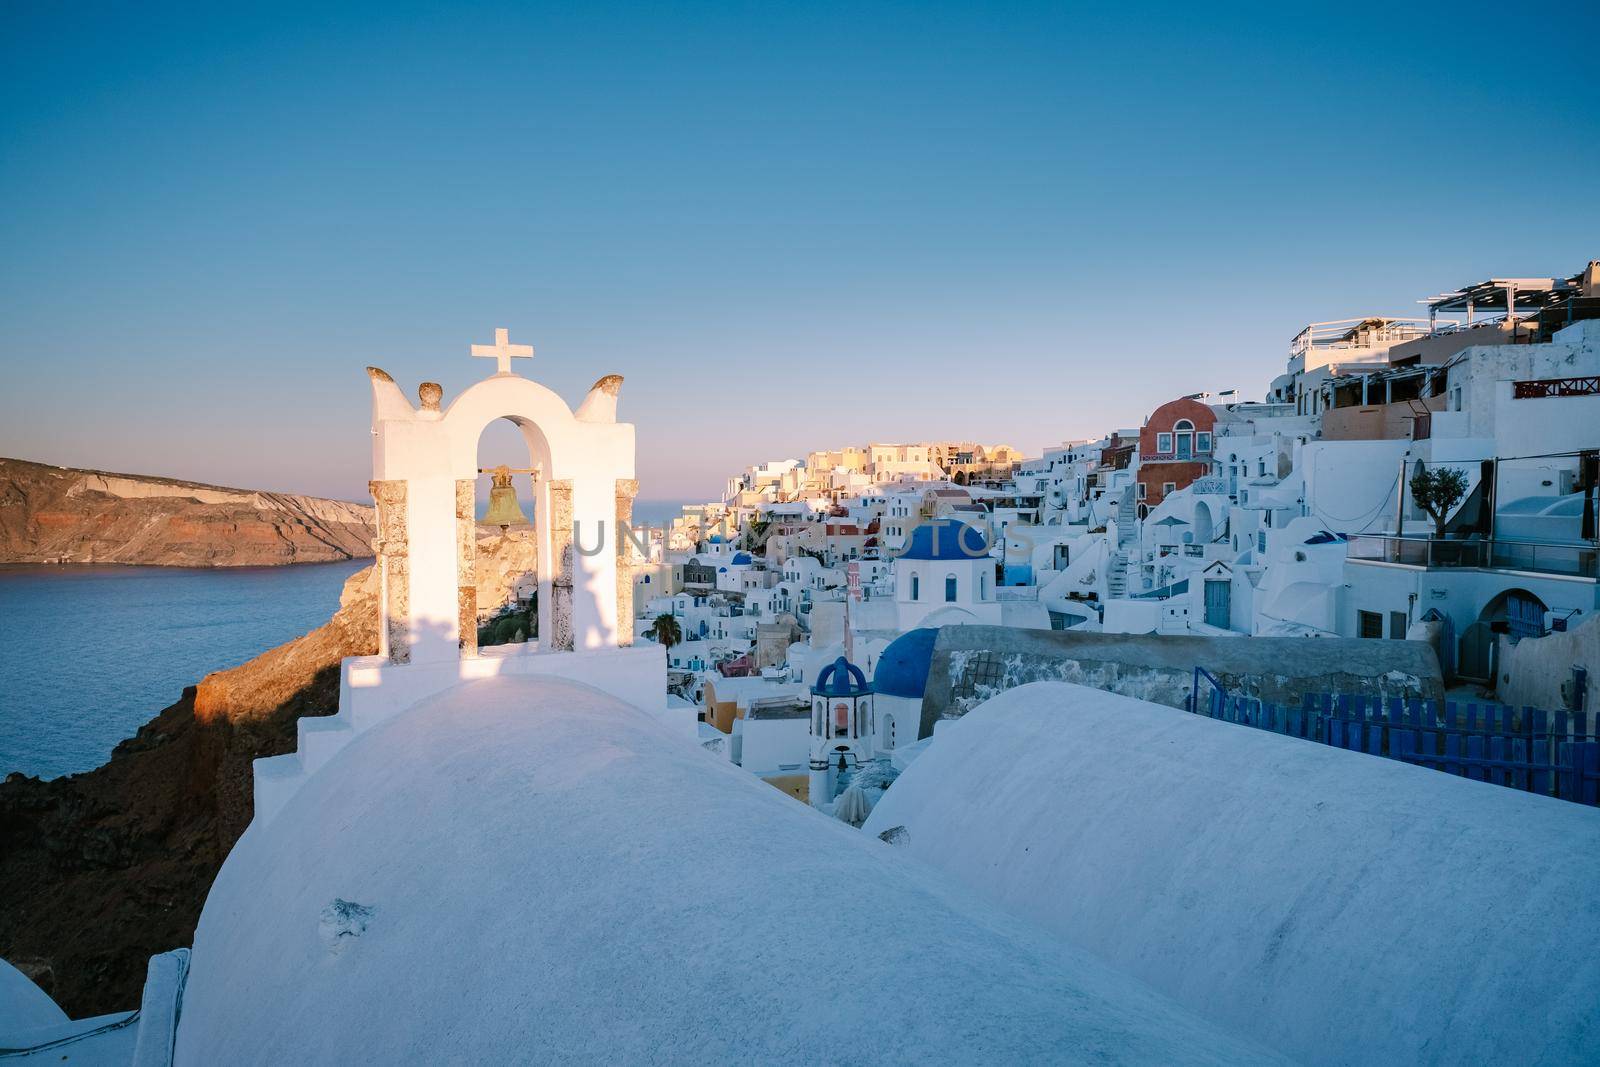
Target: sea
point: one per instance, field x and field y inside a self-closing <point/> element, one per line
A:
<point x="88" y="654"/>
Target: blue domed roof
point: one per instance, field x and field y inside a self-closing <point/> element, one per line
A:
<point x="742" y="557"/>
<point x="946" y="539"/>
<point x="903" y="666"/>
<point x="841" y="678"/>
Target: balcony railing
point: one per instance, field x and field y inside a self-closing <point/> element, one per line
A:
<point x="1539" y="556"/>
<point x="1356" y="333"/>
<point x="1541" y="387"/>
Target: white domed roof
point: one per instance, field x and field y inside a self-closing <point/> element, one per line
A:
<point x="1248" y="874"/>
<point x="524" y="869"/>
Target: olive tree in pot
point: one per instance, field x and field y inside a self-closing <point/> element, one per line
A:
<point x="1437" y="492"/>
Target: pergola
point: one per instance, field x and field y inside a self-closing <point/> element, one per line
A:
<point x="1514" y="294"/>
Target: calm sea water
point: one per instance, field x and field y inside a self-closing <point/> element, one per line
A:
<point x="89" y="654"/>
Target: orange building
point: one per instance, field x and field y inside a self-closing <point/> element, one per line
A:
<point x="1174" y="448"/>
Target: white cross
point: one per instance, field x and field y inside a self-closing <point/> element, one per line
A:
<point x="503" y="350"/>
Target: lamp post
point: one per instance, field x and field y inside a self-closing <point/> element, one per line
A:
<point x="1004" y="524"/>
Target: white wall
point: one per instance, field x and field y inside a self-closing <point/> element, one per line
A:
<point x="771" y="744"/>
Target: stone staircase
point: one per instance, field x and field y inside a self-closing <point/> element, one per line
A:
<point x="1127" y="518"/>
<point x="1117" y="575"/>
<point x="318" y="740"/>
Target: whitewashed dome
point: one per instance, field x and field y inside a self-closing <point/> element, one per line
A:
<point x="527" y="870"/>
<point x="1337" y="906"/>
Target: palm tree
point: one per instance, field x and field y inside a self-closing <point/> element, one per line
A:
<point x="667" y="632"/>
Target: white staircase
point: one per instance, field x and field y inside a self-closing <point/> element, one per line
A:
<point x="317" y="740"/>
<point x="1117" y="576"/>
<point x="1127" y="517"/>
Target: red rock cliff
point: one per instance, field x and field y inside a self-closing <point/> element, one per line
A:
<point x="64" y="515"/>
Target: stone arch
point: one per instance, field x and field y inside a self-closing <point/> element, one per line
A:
<point x="949" y="616"/>
<point x="1517" y="612"/>
<point x="1204" y="525"/>
<point x="538" y="458"/>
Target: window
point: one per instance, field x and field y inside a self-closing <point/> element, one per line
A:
<point x="1202" y="442"/>
<point x="1369" y="624"/>
<point x="1141" y="490"/>
<point x="1397" y="625"/>
<point x="1168" y="487"/>
<point x="949" y="589"/>
<point x="1164" y="444"/>
<point x="916" y="587"/>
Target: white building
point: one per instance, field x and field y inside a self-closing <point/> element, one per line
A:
<point x="946" y="577"/>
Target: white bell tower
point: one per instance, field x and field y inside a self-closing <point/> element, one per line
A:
<point x="842" y="727"/>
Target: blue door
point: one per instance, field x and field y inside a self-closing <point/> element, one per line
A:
<point x="1219" y="604"/>
<point x="1524" y="615"/>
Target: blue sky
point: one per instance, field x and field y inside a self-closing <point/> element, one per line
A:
<point x="789" y="226"/>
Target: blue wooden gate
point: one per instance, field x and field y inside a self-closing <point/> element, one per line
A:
<point x="1219" y="603"/>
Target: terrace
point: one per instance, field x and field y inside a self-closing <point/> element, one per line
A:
<point x="1361" y="340"/>
<point x="1580" y="560"/>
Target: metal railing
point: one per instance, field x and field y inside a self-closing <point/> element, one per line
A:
<point x="1539" y="556"/>
<point x="1356" y="333"/>
<point x="1543" y="387"/>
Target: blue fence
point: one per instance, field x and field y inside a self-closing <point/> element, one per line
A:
<point x="1552" y="753"/>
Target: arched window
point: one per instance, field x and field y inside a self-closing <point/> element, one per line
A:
<point x="949" y="589"/>
<point x="1183" y="435"/>
<point x="916" y="587"/>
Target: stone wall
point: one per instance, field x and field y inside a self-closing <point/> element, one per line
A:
<point x="973" y="663"/>
<point x="561" y="567"/>
<point x="1537" y="671"/>
<point x="627" y="489"/>
<point x="394" y="566"/>
<point x="466" y="559"/>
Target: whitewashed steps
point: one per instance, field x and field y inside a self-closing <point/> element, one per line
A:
<point x="1117" y="575"/>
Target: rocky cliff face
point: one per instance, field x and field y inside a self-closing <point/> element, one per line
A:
<point x="63" y="515"/>
<point x="99" y="871"/>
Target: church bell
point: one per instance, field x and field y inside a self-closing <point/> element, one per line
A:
<point x="504" y="511"/>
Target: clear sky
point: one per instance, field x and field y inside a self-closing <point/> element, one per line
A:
<point x="788" y="225"/>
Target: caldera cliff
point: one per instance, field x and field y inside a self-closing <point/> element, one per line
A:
<point x="101" y="870"/>
<point x="65" y="515"/>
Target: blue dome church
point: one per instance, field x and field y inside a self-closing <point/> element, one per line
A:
<point x="898" y="685"/>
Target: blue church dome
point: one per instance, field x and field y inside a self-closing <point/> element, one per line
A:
<point x="741" y="557"/>
<point x="946" y="539"/>
<point x="903" y="667"/>
<point x="841" y="678"/>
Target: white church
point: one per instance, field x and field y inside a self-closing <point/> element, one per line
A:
<point x="511" y="855"/>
